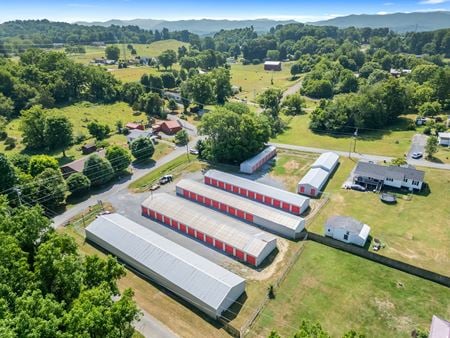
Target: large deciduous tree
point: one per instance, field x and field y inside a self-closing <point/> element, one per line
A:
<point x="167" y="58"/>
<point x="98" y="170"/>
<point x="119" y="158"/>
<point x="33" y="126"/>
<point x="58" y="132"/>
<point x="112" y="52"/>
<point x="142" y="148"/>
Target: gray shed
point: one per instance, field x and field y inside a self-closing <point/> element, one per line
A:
<point x="312" y="183"/>
<point x="327" y="161"/>
<point x="205" y="285"/>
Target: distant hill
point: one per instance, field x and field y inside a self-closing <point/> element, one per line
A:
<point x="201" y="27"/>
<point x="399" y="22"/>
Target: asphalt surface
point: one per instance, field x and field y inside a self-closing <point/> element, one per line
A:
<point x="150" y="327"/>
<point x="417" y="145"/>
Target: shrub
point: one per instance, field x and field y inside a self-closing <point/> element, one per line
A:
<point x="78" y="184"/>
<point x="98" y="170"/>
<point x="427" y="130"/>
<point x="38" y="163"/>
<point x="142" y="148"/>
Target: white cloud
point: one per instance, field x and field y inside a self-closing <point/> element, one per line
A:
<point x="389" y="4"/>
<point x="432" y="2"/>
<point x="382" y="13"/>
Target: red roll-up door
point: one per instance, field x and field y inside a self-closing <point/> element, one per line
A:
<point x="228" y="187"/>
<point x="239" y="254"/>
<point x="174" y="224"/>
<point x="215" y="204"/>
<point x="259" y="197"/>
<point x="207" y="201"/>
<point x="249" y="217"/>
<point x="221" y="184"/>
<point x="200" y="198"/>
<point x="144" y="211"/>
<point x="200" y="236"/>
<point x="191" y="232"/>
<point x="223" y="207"/>
<point x="232" y="211"/>
<point x="166" y="220"/>
<point x="182" y="227"/>
<point x="236" y="189"/>
<point x="207" y="180"/>
<point x="313" y="192"/>
<point x="185" y="193"/>
<point x="251" y="194"/>
<point x="302" y="189"/>
<point x="268" y="200"/>
<point x="240" y="213"/>
<point x="192" y="196"/>
<point x="219" y="244"/>
<point x="285" y="206"/>
<point x="229" y="249"/>
<point x="276" y="203"/>
<point x="159" y="217"/>
<point x="295" y="209"/>
<point x="152" y="213"/>
<point x="209" y="239"/>
<point x="214" y="182"/>
<point x="251" y="260"/>
<point x="243" y="192"/>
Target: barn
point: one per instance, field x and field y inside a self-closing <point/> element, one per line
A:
<point x="252" y="164"/>
<point x="327" y="161"/>
<point x="263" y="193"/>
<point x="171" y="127"/>
<point x="272" y="65"/>
<point x="278" y="222"/>
<point x="347" y="229"/>
<point x="312" y="183"/>
<point x="205" y="285"/>
<point x="235" y="238"/>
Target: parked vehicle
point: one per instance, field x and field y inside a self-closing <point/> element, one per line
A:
<point x="417" y="155"/>
<point x="357" y="187"/>
<point x="193" y="151"/>
<point x="166" y="179"/>
<point x="154" y="187"/>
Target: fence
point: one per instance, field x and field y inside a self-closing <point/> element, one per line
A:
<point x="392" y="263"/>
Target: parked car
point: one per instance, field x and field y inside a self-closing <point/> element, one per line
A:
<point x="166" y="179"/>
<point x="193" y="151"/>
<point x="357" y="187"/>
<point x="417" y="155"/>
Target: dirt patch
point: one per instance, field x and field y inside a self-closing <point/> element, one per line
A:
<point x="409" y="254"/>
<point x="291" y="165"/>
<point x="384" y="305"/>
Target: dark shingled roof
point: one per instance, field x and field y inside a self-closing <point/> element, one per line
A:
<point x="381" y="172"/>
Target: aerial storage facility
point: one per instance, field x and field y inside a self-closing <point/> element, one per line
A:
<point x="237" y="239"/>
<point x="205" y="285"/>
<point x="256" y="191"/>
<point x="327" y="161"/>
<point x="275" y="221"/>
<point x="252" y="164"/>
<point x="312" y="183"/>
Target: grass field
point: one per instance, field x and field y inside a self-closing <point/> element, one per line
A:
<point x="345" y="292"/>
<point x="147" y="50"/>
<point x="443" y="155"/>
<point x="254" y="79"/>
<point x="394" y="142"/>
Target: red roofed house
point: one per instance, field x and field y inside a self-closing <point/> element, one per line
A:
<point x="171" y="127"/>
<point x="132" y="126"/>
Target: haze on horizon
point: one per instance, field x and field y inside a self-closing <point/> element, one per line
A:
<point x="303" y="11"/>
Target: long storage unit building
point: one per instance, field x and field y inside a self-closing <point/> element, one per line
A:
<point x="312" y="183"/>
<point x="276" y="221"/>
<point x="327" y="161"/>
<point x="253" y="164"/>
<point x="263" y="193"/>
<point x="207" y="286"/>
<point x="235" y="238"/>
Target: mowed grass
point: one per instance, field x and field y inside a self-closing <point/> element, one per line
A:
<point x="393" y="142"/>
<point x="253" y="79"/>
<point x="145" y="50"/>
<point x="443" y="155"/>
<point x="345" y="292"/>
<point x="415" y="231"/>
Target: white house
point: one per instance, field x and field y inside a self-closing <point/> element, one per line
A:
<point x="377" y="175"/>
<point x="347" y="229"/>
<point x="136" y="133"/>
<point x="444" y="139"/>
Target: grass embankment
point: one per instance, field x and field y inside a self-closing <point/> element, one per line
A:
<point x="254" y="79"/>
<point x="394" y="141"/>
<point x="345" y="292"/>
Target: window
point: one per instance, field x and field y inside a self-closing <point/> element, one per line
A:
<point x="405" y="180"/>
<point x="346" y="237"/>
<point x="389" y="179"/>
<point x="415" y="182"/>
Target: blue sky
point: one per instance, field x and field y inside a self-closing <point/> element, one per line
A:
<point x="301" y="10"/>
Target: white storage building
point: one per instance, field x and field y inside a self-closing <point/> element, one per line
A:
<point x="205" y="285"/>
<point x="263" y="193"/>
<point x="347" y="229"/>
<point x="276" y="221"/>
<point x="444" y="139"/>
<point x="237" y="239"/>
<point x="312" y="183"/>
<point x="253" y="164"/>
<point x="327" y="161"/>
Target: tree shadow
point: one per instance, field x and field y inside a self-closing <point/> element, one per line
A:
<point x="146" y="164"/>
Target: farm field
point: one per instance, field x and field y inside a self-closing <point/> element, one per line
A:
<point x="254" y="79"/>
<point x="345" y="292"/>
<point x="150" y="50"/>
<point x="411" y="230"/>
<point x="394" y="142"/>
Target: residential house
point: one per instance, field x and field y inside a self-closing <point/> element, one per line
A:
<point x="134" y="126"/>
<point x="136" y="133"/>
<point x="444" y="139"/>
<point x="371" y="174"/>
<point x="171" y="127"/>
<point x="88" y="148"/>
<point x="77" y="166"/>
<point x="347" y="229"/>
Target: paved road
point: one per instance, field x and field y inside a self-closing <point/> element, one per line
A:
<point x="366" y="157"/>
<point x="417" y="145"/>
<point x="150" y="327"/>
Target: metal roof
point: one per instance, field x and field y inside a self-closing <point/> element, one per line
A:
<point x="259" y="156"/>
<point x="444" y="135"/>
<point x="272" y="63"/>
<point x="439" y="328"/>
<point x="326" y="161"/>
<point x="381" y="172"/>
<point x="346" y="223"/>
<point x="196" y="275"/>
<point x="78" y="165"/>
<point x="315" y="177"/>
<point x="235" y="233"/>
<point x="263" y="189"/>
<point x="276" y="216"/>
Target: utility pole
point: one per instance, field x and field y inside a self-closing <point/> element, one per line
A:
<point x="355" y="134"/>
<point x="353" y="140"/>
<point x="18" y="192"/>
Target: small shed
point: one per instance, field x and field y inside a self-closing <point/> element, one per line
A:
<point x="444" y="139"/>
<point x="252" y="164"/>
<point x="312" y="183"/>
<point x="347" y="229"/>
<point x="171" y="127"/>
<point x="134" y="126"/>
<point x="88" y="148"/>
<point x="272" y="65"/>
<point x="327" y="161"/>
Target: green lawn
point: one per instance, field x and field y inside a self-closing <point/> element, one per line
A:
<point x="443" y="155"/>
<point x="394" y="142"/>
<point x="254" y="79"/>
<point x="345" y="292"/>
